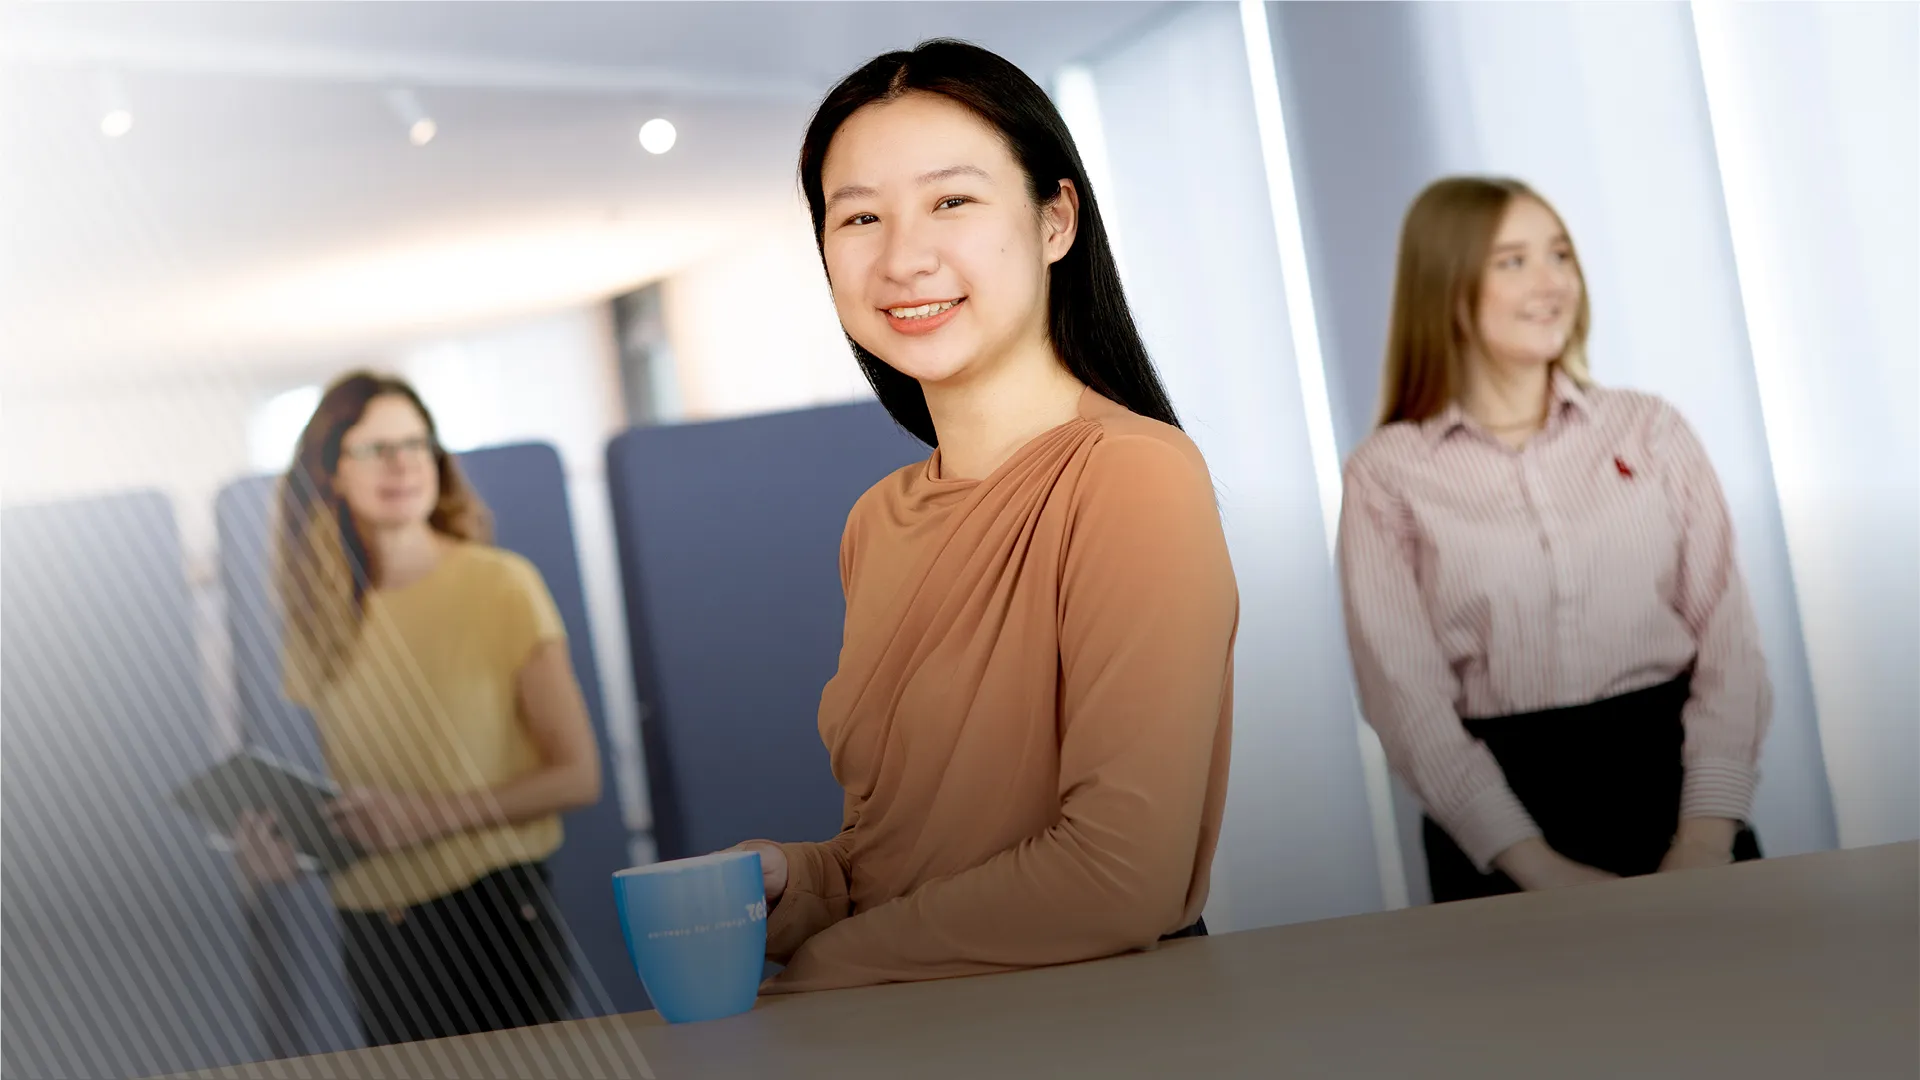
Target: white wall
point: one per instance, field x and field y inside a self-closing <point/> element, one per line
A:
<point x="1816" y="115"/>
<point x="754" y="330"/>
<point x="1189" y="207"/>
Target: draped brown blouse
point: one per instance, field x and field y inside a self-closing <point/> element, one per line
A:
<point x="1031" y="717"/>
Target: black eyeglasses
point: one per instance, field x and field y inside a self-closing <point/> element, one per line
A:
<point x="417" y="447"/>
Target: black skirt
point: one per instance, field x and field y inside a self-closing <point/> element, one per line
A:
<point x="490" y="956"/>
<point x="1601" y="780"/>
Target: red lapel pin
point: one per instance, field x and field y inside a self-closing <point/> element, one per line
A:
<point x="1622" y="466"/>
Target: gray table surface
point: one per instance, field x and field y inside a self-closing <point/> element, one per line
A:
<point x="1802" y="967"/>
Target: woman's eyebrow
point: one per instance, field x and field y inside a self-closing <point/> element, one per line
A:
<point x="851" y="191"/>
<point x="861" y="191"/>
<point x="952" y="171"/>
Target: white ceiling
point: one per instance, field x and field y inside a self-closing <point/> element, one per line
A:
<point x="267" y="207"/>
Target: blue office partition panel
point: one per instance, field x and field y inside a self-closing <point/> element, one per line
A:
<point x="304" y="1004"/>
<point x="126" y="951"/>
<point x="527" y="489"/>
<point x="729" y="546"/>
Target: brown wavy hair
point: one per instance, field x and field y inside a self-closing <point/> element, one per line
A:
<point x="322" y="566"/>
<point x="1444" y="243"/>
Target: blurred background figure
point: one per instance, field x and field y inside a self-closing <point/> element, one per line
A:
<point x="436" y="669"/>
<point x="575" y="229"/>
<point x="1548" y="627"/>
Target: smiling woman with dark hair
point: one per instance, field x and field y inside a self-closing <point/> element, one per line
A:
<point x="1032" y="712"/>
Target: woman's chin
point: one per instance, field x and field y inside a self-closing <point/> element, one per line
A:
<point x="1531" y="355"/>
<point x="926" y="369"/>
<point x="389" y="519"/>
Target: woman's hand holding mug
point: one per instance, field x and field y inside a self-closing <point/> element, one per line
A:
<point x="773" y="867"/>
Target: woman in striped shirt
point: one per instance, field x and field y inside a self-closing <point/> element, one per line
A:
<point x="1547" y="626"/>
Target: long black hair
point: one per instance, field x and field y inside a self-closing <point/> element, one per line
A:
<point x="1088" y="322"/>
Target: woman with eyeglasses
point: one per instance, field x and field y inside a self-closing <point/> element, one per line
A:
<point x="437" y="672"/>
<point x="1033" y="707"/>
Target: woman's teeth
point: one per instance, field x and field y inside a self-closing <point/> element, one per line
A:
<point x="921" y="312"/>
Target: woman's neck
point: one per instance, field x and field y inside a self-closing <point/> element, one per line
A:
<point x="1506" y="397"/>
<point x="406" y="554"/>
<point x="985" y="420"/>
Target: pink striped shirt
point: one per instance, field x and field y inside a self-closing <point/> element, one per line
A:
<point x="1598" y="559"/>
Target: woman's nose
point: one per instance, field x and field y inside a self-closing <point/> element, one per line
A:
<point x="1553" y="275"/>
<point x="909" y="253"/>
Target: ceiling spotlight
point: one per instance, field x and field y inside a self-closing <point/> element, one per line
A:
<point x="406" y="106"/>
<point x="116" y="119"/>
<point x="657" y="136"/>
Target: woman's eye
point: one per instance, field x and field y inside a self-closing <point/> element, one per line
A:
<point x="862" y="219"/>
<point x="952" y="201"/>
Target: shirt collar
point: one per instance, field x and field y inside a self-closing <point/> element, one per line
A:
<point x="1567" y="397"/>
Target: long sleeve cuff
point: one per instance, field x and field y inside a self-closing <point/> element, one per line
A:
<point x="1490" y="823"/>
<point x="1718" y="788"/>
<point x="814" y="899"/>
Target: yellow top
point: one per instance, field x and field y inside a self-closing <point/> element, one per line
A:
<point x="428" y="701"/>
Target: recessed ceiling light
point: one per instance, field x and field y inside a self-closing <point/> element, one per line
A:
<point x="657" y="136"/>
<point x="116" y="117"/>
<point x="407" y="109"/>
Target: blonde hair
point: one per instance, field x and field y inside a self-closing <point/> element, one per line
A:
<point x="322" y="567"/>
<point x="1444" y="242"/>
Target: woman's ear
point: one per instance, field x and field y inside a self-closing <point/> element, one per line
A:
<point x="1060" y="222"/>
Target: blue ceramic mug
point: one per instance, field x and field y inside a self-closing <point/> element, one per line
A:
<point x="697" y="932"/>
